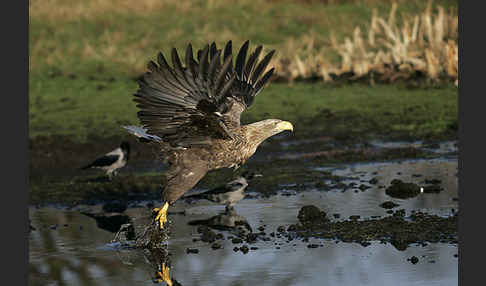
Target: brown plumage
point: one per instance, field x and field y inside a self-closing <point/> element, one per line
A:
<point x="193" y="112"/>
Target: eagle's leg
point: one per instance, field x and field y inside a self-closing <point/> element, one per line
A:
<point x="163" y="275"/>
<point x="161" y="216"/>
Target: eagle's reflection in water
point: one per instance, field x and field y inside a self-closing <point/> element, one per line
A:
<point x="158" y="258"/>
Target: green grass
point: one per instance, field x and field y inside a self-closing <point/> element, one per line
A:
<point x="81" y="107"/>
<point x="76" y="47"/>
<point x="382" y="109"/>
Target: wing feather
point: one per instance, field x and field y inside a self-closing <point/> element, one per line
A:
<point x="183" y="105"/>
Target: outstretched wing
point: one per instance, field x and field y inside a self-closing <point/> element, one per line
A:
<point x="250" y="80"/>
<point x="187" y="106"/>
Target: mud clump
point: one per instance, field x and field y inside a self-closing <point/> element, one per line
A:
<point x="312" y="217"/>
<point x="192" y="250"/>
<point x="216" y="245"/>
<point x="244" y="249"/>
<point x="433" y="189"/>
<point x="433" y="181"/>
<point x="237" y="240"/>
<point x="402" y="190"/>
<point x="389" y="205"/>
<point x="413" y="259"/>
<point x="207" y="235"/>
<point x="398" y="230"/>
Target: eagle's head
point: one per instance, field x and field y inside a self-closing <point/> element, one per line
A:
<point x="261" y="130"/>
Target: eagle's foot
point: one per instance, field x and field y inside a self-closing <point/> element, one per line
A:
<point x="161" y="217"/>
<point x="163" y="275"/>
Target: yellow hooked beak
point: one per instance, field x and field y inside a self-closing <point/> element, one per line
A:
<point x="285" y="125"/>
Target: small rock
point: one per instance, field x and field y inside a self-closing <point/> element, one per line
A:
<point x="192" y="250"/>
<point x="216" y="245"/>
<point x="244" y="249"/>
<point x="363" y="187"/>
<point x="373" y="181"/>
<point x="389" y="205"/>
<point x="399" y="189"/>
<point x="219" y="236"/>
<point x="251" y="237"/>
<point x="433" y="181"/>
<point x="312" y="245"/>
<point x="237" y="240"/>
<point x="292" y="227"/>
<point x="365" y="243"/>
<point x="208" y="235"/>
<point x="433" y="189"/>
<point x="399" y="213"/>
<point x="414" y="259"/>
<point x="312" y="215"/>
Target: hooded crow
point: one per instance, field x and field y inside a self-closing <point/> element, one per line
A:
<point x="228" y="194"/>
<point x="112" y="161"/>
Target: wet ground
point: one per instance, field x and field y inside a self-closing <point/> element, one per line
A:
<point x="70" y="244"/>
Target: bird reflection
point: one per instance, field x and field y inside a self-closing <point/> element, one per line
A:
<point x="159" y="260"/>
<point x="226" y="220"/>
<point x="228" y="194"/>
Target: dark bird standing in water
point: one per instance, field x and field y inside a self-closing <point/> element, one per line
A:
<point x="193" y="113"/>
<point x="112" y="161"/>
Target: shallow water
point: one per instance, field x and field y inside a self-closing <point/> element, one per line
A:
<point x="77" y="252"/>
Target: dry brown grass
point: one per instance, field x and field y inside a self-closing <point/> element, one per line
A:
<point x="424" y="45"/>
<point x="69" y="10"/>
<point x="386" y="50"/>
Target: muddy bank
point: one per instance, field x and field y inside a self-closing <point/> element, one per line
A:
<point x="280" y="162"/>
<point x="396" y="229"/>
<point x="338" y="129"/>
<point x="400" y="231"/>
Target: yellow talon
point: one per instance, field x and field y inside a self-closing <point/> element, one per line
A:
<point x="161" y="214"/>
<point x="164" y="275"/>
